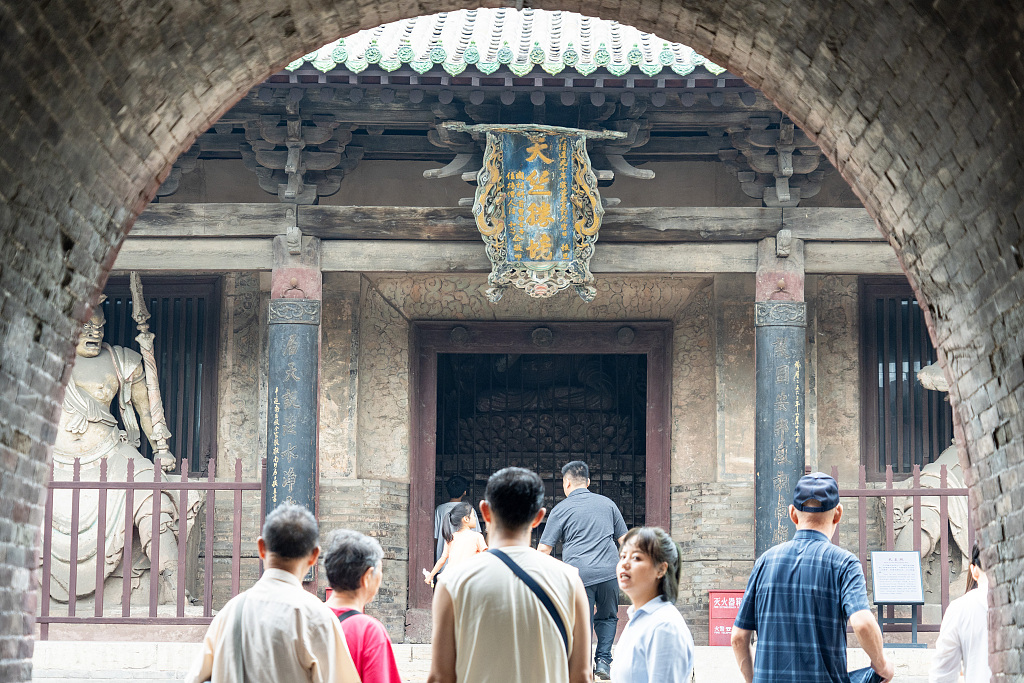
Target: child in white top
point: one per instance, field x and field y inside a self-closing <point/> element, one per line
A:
<point x="461" y="540"/>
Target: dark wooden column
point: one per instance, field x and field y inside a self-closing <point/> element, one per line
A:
<point x="780" y="319"/>
<point x="294" y="373"/>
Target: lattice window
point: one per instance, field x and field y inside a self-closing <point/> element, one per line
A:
<point x="185" y="319"/>
<point x="903" y="423"/>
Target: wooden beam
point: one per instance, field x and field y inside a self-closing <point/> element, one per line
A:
<point x="649" y="224"/>
<point x="389" y="223"/>
<point x="401" y="256"/>
<point x="214" y="220"/>
<point x="689" y="224"/>
<point x="734" y="257"/>
<point x="196" y="254"/>
<point x="228" y="254"/>
<point x="851" y="258"/>
<point x="453" y="257"/>
<point x="832" y="224"/>
<point x="644" y="225"/>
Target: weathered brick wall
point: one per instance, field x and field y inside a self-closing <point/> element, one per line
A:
<point x="713" y="522"/>
<point x="380" y="509"/>
<point x="917" y="103"/>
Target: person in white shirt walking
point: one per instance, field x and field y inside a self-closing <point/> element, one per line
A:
<point x="276" y="630"/>
<point x="656" y="646"/>
<point x="963" y="636"/>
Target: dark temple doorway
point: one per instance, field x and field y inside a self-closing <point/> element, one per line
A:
<point x="540" y="411"/>
<point x="486" y="395"/>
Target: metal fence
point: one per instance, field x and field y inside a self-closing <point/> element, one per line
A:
<point x="186" y="490"/>
<point x="916" y="493"/>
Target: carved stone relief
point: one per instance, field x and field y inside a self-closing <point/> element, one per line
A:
<point x="239" y="381"/>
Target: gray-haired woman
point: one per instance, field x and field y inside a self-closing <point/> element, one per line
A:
<point x="353" y="564"/>
<point x="656" y="644"/>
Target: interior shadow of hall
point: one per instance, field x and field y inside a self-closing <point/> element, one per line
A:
<point x="541" y="412"/>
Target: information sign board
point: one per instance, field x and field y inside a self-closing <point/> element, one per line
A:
<point x="896" y="577"/>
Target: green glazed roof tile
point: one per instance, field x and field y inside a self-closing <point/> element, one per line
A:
<point x="525" y="40"/>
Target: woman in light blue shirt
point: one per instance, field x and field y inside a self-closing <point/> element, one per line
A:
<point x="656" y="645"/>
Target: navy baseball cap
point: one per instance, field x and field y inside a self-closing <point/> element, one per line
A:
<point x="816" y="486"/>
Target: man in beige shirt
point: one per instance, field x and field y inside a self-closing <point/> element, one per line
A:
<point x="489" y="625"/>
<point x="276" y="631"/>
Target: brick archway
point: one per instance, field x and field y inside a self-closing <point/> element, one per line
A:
<point x="918" y="104"/>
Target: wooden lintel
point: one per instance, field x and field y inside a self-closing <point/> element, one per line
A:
<point x="195" y="254"/>
<point x="230" y="254"/>
<point x="831" y="224"/>
<point x="733" y="257"/>
<point x="451" y="257"/>
<point x="213" y="220"/>
<point x="851" y="258"/>
<point x="402" y="256"/>
<point x="649" y="224"/>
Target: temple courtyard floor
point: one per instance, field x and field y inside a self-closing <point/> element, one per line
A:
<point x="94" y="661"/>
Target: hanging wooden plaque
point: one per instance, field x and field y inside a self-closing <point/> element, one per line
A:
<point x="538" y="208"/>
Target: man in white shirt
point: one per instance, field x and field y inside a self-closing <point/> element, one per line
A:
<point x="276" y="630"/>
<point x="963" y="636"/>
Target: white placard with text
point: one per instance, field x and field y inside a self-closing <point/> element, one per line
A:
<point x="896" y="577"/>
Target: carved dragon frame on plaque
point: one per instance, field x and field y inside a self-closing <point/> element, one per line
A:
<point x="537" y="207"/>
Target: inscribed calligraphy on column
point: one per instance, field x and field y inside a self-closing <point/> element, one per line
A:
<point x="293" y="348"/>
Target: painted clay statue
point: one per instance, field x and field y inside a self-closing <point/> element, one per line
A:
<point x="87" y="430"/>
<point x="931" y="377"/>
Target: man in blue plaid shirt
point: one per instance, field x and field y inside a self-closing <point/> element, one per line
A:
<point x="801" y="595"/>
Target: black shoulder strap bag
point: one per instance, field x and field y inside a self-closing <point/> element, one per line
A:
<point x="532" y="584"/>
<point x="236" y="636"/>
<point x="348" y="613"/>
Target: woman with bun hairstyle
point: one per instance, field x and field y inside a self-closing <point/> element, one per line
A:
<point x="656" y="645"/>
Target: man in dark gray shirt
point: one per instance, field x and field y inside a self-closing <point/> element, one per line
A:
<point x="590" y="527"/>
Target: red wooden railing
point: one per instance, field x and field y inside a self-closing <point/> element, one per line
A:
<point x="183" y="486"/>
<point x="916" y="492"/>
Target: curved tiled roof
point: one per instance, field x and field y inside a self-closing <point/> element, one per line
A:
<point x="523" y="40"/>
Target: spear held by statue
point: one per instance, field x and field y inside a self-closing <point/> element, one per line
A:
<point x="141" y="315"/>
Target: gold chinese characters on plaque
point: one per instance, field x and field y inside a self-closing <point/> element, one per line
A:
<point x="537" y="208"/>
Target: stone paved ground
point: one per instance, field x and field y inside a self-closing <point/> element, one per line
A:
<point x="91" y="662"/>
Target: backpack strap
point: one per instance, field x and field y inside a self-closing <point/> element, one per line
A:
<point x="348" y="613"/>
<point x="532" y="584"/>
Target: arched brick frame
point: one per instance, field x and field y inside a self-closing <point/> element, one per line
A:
<point x="918" y="103"/>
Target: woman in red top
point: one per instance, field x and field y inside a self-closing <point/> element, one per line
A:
<point x="353" y="564"/>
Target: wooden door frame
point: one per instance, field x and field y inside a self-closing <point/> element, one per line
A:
<point x="430" y="338"/>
